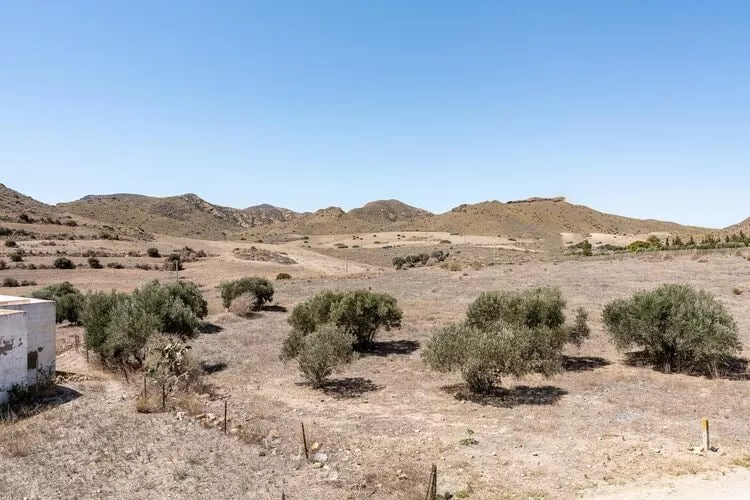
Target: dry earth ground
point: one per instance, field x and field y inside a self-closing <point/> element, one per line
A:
<point x="382" y="422"/>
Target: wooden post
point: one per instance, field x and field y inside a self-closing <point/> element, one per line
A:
<point x="76" y="342"/>
<point x="87" y="356"/>
<point x="145" y="391"/>
<point x="225" y="416"/>
<point x="177" y="269"/>
<point x="304" y="441"/>
<point x="706" y="440"/>
<point x="37" y="374"/>
<point x="432" y="485"/>
<point x="163" y="396"/>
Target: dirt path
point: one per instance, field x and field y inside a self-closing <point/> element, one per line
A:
<point x="728" y="485"/>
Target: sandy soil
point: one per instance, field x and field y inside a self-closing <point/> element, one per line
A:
<point x="600" y="428"/>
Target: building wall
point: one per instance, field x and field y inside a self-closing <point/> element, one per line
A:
<point x="41" y="334"/>
<point x="13" y="351"/>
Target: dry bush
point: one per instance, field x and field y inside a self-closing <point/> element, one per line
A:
<point x="244" y="305"/>
<point x="190" y="403"/>
<point x="148" y="404"/>
<point x="14" y="442"/>
<point x="737" y="291"/>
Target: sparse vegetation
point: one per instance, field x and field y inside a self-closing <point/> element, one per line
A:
<point x="283" y="276"/>
<point x="260" y="288"/>
<point x="10" y="283"/>
<point x="115" y="265"/>
<point x="153" y="253"/>
<point x="16" y="257"/>
<point x="678" y="327"/>
<point x="94" y="263"/>
<point x="10" y="243"/>
<point x="69" y="301"/>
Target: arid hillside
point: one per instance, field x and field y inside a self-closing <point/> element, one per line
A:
<point x="185" y="215"/>
<point x="190" y="216"/>
<point x="743" y="226"/>
<point x="540" y="217"/>
<point x="17" y="207"/>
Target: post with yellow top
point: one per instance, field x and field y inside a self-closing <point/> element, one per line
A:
<point x="706" y="442"/>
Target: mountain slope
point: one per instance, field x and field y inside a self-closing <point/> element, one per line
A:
<point x="14" y="205"/>
<point x="185" y="215"/>
<point x="541" y="217"/>
<point x="743" y="226"/>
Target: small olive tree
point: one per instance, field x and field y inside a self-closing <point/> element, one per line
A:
<point x="359" y="313"/>
<point x="485" y="355"/>
<point x="678" y="327"/>
<point x="69" y="301"/>
<point x="507" y="333"/>
<point x="178" y="306"/>
<point x="260" y="288"/>
<point x="322" y="352"/>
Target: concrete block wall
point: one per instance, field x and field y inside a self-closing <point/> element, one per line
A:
<point x="13" y="351"/>
<point x="41" y="334"/>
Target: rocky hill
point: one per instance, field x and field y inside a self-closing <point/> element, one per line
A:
<point x="17" y="207"/>
<point x="743" y="226"/>
<point x="184" y="215"/>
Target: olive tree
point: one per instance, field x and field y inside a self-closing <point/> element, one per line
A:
<point x="678" y="327"/>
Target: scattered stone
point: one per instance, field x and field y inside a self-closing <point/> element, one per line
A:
<point x="320" y="457"/>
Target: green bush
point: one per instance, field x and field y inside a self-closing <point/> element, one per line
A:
<point x="96" y="316"/>
<point x="678" y="327"/>
<point x="283" y="276"/>
<point x="260" y="288"/>
<point x="63" y="263"/>
<point x="16" y="257"/>
<point x="178" y="306"/>
<point x="153" y="252"/>
<point x="532" y="308"/>
<point x="69" y="301"/>
<point x="10" y="243"/>
<point x="485" y="355"/>
<point x="94" y="263"/>
<point x="640" y="245"/>
<point x="359" y="313"/>
<point x="322" y="352"/>
<point x="127" y="333"/>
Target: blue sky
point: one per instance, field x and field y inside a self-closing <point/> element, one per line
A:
<point x="640" y="108"/>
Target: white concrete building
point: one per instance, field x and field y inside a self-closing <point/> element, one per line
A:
<point x="27" y="342"/>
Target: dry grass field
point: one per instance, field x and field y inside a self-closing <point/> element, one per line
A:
<point x="601" y="427"/>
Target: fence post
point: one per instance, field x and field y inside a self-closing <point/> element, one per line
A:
<point x="304" y="441"/>
<point x="706" y="440"/>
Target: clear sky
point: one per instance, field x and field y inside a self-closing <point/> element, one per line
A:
<point x="639" y="108"/>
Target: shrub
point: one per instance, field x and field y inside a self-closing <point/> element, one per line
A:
<point x="171" y="363"/>
<point x="586" y="248"/>
<point x="244" y="305"/>
<point x="322" y="352"/>
<point x="153" y="253"/>
<point x="485" y="355"/>
<point x="115" y="265"/>
<point x="28" y="283"/>
<point x="639" y="245"/>
<point x="145" y="267"/>
<point x="134" y="253"/>
<point x="283" y="276"/>
<point x="261" y="288"/>
<point x="94" y="263"/>
<point x="532" y="308"/>
<point x="737" y="291"/>
<point x="358" y="313"/>
<point x="172" y="261"/>
<point x="440" y="256"/>
<point x="63" y="263"/>
<point x="678" y="327"/>
<point x="4" y="231"/>
<point x="3" y="265"/>
<point x="127" y="333"/>
<point x="10" y="243"/>
<point x="96" y="315"/>
<point x="10" y="283"/>
<point x="69" y="301"/>
<point x="177" y="306"/>
<point x="16" y="257"/>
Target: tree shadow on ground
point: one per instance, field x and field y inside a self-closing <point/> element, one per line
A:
<point x="34" y="404"/>
<point x="501" y="397"/>
<point x="583" y="363"/>
<point x="733" y="368"/>
<point x="210" y="328"/>
<point x="209" y="368"/>
<point x="388" y="347"/>
<point x="274" y="308"/>
<point x="347" y="388"/>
